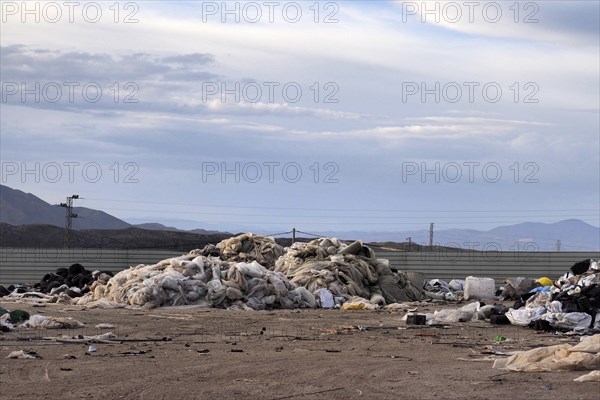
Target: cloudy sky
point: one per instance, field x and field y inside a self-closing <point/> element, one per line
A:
<point x="347" y="115"/>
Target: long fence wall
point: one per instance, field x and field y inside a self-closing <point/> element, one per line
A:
<point x="449" y="264"/>
<point x="28" y="265"/>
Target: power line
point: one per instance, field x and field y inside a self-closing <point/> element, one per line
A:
<point x="338" y="216"/>
<point x="345" y="209"/>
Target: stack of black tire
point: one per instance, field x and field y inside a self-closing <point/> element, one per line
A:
<point x="74" y="276"/>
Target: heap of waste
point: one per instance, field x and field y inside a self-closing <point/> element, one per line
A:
<point x="60" y="286"/>
<point x="571" y="303"/>
<point x="74" y="281"/>
<point x="346" y="271"/>
<point x="253" y="272"/>
<point x="248" y="247"/>
<point x="10" y="320"/>
<point x="440" y="289"/>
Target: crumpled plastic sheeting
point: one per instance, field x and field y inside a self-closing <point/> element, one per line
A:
<point x="22" y="354"/>
<point x="463" y="314"/>
<point x="523" y="316"/>
<point x="358" y="303"/>
<point x="516" y="287"/>
<point x="563" y="357"/>
<point x="248" y="247"/>
<point x="42" y="322"/>
<point x="200" y="280"/>
<point x="593" y="376"/>
<point x="576" y="321"/>
<point x="345" y="270"/>
<point x="442" y="290"/>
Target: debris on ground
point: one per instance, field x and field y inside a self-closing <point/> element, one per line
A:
<point x="42" y="322"/>
<point x="593" y="376"/>
<point x="442" y="290"/>
<point x="561" y="357"/>
<point x="24" y="355"/>
<point x="572" y="303"/>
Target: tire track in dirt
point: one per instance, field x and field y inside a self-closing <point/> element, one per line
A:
<point x="25" y="372"/>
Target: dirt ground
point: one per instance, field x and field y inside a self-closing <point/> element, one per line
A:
<point x="195" y="353"/>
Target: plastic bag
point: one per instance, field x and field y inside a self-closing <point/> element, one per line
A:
<point x="524" y="316"/>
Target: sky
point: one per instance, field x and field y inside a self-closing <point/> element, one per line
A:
<point x="344" y="115"/>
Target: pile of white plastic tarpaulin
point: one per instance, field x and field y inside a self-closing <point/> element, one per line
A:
<point x="345" y="271"/>
<point x="561" y="357"/>
<point x="251" y="271"/>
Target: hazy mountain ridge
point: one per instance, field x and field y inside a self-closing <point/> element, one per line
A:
<point x="20" y="208"/>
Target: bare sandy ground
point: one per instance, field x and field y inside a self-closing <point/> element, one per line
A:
<point x="192" y="353"/>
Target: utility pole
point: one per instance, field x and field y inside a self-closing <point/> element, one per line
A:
<point x="293" y="235"/>
<point x="430" y="236"/>
<point x="558" y="245"/>
<point x="69" y="218"/>
<point x="409" y="242"/>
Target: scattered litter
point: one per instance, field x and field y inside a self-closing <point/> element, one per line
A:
<point x="42" y="322"/>
<point x="92" y="349"/>
<point x="358" y="303"/>
<point x="105" y="326"/>
<point x="499" y="339"/>
<point x="463" y="314"/>
<point x="22" y="354"/>
<point x="18" y="316"/>
<point x="416" y="319"/>
<point x="593" y="376"/>
<point x="514" y="288"/>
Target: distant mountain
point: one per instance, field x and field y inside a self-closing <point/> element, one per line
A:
<point x="154" y="226"/>
<point x="48" y="236"/>
<point x="574" y="235"/>
<point x="20" y="208"/>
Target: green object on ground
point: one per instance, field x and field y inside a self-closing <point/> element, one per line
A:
<point x="499" y="338"/>
<point x="3" y="311"/>
<point x="19" y="315"/>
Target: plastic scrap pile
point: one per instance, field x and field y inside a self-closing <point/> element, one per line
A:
<point x="73" y="282"/>
<point x="571" y="303"/>
<point x="10" y="320"/>
<point x="562" y="357"/>
<point x="201" y="280"/>
<point x="470" y="312"/>
<point x="57" y="287"/>
<point x="440" y="289"/>
<point x="253" y="272"/>
<point x="514" y="288"/>
<point x="248" y="247"/>
<point x="346" y="271"/>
